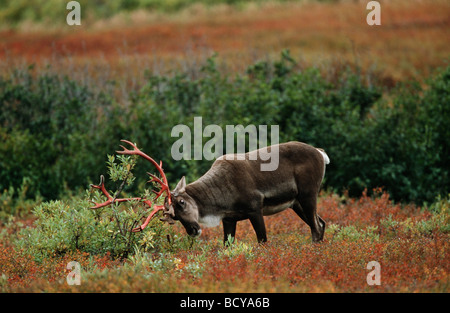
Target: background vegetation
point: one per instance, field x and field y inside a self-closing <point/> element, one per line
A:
<point x="372" y="97"/>
<point x="53" y="10"/>
<point x="401" y="144"/>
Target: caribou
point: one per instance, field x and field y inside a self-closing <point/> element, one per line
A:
<point x="235" y="189"/>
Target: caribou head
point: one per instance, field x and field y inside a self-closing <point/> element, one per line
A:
<point x="183" y="208"/>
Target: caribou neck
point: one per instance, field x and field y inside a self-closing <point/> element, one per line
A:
<point x="208" y="195"/>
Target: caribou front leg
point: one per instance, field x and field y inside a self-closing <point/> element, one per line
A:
<point x="229" y="229"/>
<point x="257" y="221"/>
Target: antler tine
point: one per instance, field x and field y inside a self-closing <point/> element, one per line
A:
<point x="101" y="187"/>
<point x="156" y="179"/>
<point x="136" y="151"/>
<point x="148" y="219"/>
<point x="130" y="143"/>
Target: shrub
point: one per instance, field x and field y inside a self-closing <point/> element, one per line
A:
<point x="48" y="126"/>
<point x="17" y="202"/>
<point x="68" y="226"/>
<point x="236" y="248"/>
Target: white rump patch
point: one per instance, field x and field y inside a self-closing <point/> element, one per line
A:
<point x="210" y="220"/>
<point x="326" y="159"/>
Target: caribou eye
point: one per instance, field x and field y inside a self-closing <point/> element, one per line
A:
<point x="181" y="201"/>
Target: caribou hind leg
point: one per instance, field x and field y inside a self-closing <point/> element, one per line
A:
<point x="306" y="210"/>
<point x="257" y="220"/>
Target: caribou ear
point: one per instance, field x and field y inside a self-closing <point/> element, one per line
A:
<point x="180" y="186"/>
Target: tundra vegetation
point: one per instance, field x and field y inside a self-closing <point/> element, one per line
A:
<point x="380" y="113"/>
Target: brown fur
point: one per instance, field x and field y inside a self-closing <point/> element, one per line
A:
<point x="234" y="190"/>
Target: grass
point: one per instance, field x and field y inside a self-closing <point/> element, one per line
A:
<point x="411" y="244"/>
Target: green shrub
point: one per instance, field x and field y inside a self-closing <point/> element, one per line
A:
<point x="351" y="233"/>
<point x="16" y="202"/>
<point x="48" y="128"/>
<point x="439" y="222"/>
<point x="68" y="226"/>
<point x="233" y="249"/>
<point x="403" y="146"/>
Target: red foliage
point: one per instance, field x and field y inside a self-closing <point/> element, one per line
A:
<point x="366" y="210"/>
<point x="407" y="264"/>
<point x="411" y="259"/>
<point x="312" y="29"/>
<point x="21" y="270"/>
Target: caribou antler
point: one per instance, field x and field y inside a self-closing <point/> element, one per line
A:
<point x="164" y="187"/>
<point x="110" y="200"/>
